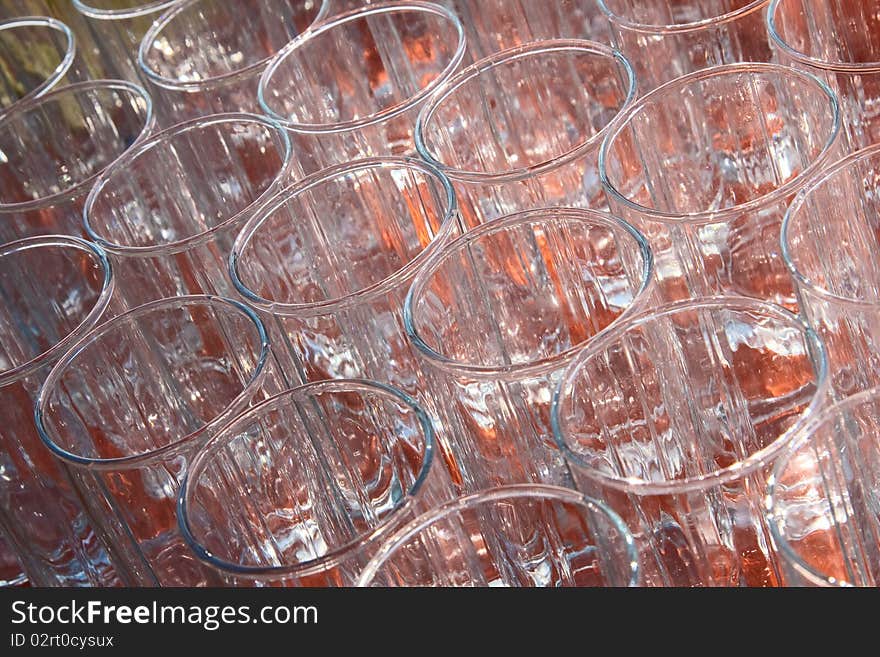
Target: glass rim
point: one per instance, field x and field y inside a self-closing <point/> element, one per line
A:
<point x="364" y="294"/>
<point x="500" y="225"/>
<point x="214" y="81"/>
<point x="63" y="66"/>
<point x="91" y="318"/>
<point x="540" y="492"/>
<point x="814" y="62"/>
<point x="842" y="165"/>
<point x="90" y="338"/>
<point x="144" y="9"/>
<point x="316" y="30"/>
<point x="622" y="121"/>
<point x="817" y="356"/>
<point x="803" y="438"/>
<point x="162" y="139"/>
<point x="333" y="557"/>
<point x="710" y="22"/>
<point x="536" y="48"/>
<point x="81" y="187"/>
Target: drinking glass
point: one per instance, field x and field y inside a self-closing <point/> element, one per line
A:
<point x="496" y="315"/>
<point x="116" y="27"/>
<point x="521" y="129"/>
<point x="169" y="209"/>
<point x="519" y="535"/>
<point x="837" y="42"/>
<point x="129" y="404"/>
<point x="351" y="86"/>
<point x="674" y="418"/>
<point x="53" y="290"/>
<point x="53" y="147"/>
<point x="36" y="53"/>
<point x="494" y="25"/>
<point x="706" y="165"/>
<point x="301" y="489"/>
<point x="823" y="498"/>
<point x="329" y="260"/>
<point x="206" y="56"/>
<point x="830" y="244"/>
<point x="665" y="39"/>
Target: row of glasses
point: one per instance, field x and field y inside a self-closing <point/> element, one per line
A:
<point x="164" y="42"/>
<point x="98" y="379"/>
<point x="823" y="496"/>
<point x="171" y="240"/>
<point x="36" y="55"/>
<point x="546" y="265"/>
<point x="299" y="489"/>
<point x="695" y="489"/>
<point x="558" y="166"/>
<point x="690" y="484"/>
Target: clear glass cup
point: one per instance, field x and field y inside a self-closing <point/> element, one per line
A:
<point x="351" y="87"/>
<point x="36" y="53"/>
<point x="675" y="416"/>
<point x="705" y="167"/>
<point x="329" y="259"/>
<point x="168" y="210"/>
<point x="322" y="473"/>
<point x="823" y="498"/>
<point x="54" y="147"/>
<point x="116" y="28"/>
<point x="495" y="25"/>
<point x="830" y="244"/>
<point x="53" y="289"/>
<point x="131" y="402"/>
<point x="533" y="536"/>
<point x="497" y="314"/>
<point x="206" y="56"/>
<point x="837" y="42"/>
<point x="665" y="39"/>
<point x="521" y="129"/>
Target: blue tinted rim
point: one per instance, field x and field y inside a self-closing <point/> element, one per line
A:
<point x="228" y="434"/>
<point x="136" y="460"/>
